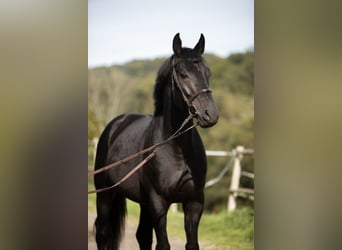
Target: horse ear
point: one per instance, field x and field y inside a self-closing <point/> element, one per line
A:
<point x="177" y="44"/>
<point x="200" y="45"/>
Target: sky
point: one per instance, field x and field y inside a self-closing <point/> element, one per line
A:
<point x="122" y="30"/>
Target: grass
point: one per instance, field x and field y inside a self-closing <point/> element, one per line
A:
<point x="233" y="231"/>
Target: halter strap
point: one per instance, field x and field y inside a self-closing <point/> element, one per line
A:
<point x="190" y="99"/>
<point x="194" y="96"/>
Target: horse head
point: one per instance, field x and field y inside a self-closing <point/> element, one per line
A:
<point x="190" y="76"/>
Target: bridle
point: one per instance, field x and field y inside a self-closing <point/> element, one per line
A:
<point x="192" y="97"/>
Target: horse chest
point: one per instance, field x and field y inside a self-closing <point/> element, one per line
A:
<point x="175" y="180"/>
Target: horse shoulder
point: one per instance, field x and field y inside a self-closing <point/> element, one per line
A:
<point x="127" y="124"/>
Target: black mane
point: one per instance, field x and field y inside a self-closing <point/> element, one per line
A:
<point x="162" y="79"/>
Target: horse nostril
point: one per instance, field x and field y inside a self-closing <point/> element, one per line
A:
<point x="206" y="116"/>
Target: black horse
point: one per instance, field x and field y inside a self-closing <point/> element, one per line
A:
<point x="176" y="173"/>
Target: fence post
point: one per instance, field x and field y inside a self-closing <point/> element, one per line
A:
<point x="235" y="181"/>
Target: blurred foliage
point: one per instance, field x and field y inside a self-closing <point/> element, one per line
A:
<point x="129" y="88"/>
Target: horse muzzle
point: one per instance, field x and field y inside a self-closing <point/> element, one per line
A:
<point x="207" y="115"/>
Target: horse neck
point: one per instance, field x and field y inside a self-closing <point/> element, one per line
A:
<point x="173" y="119"/>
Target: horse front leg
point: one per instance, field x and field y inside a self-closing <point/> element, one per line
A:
<point x="144" y="232"/>
<point x="192" y="215"/>
<point x="158" y="209"/>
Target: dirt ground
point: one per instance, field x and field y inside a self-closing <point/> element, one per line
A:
<point x="128" y="242"/>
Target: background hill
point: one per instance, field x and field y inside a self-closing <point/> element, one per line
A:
<point x="129" y="88"/>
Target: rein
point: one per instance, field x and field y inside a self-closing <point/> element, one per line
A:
<point x="152" y="148"/>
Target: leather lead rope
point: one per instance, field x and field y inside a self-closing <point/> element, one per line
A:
<point x="153" y="148"/>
